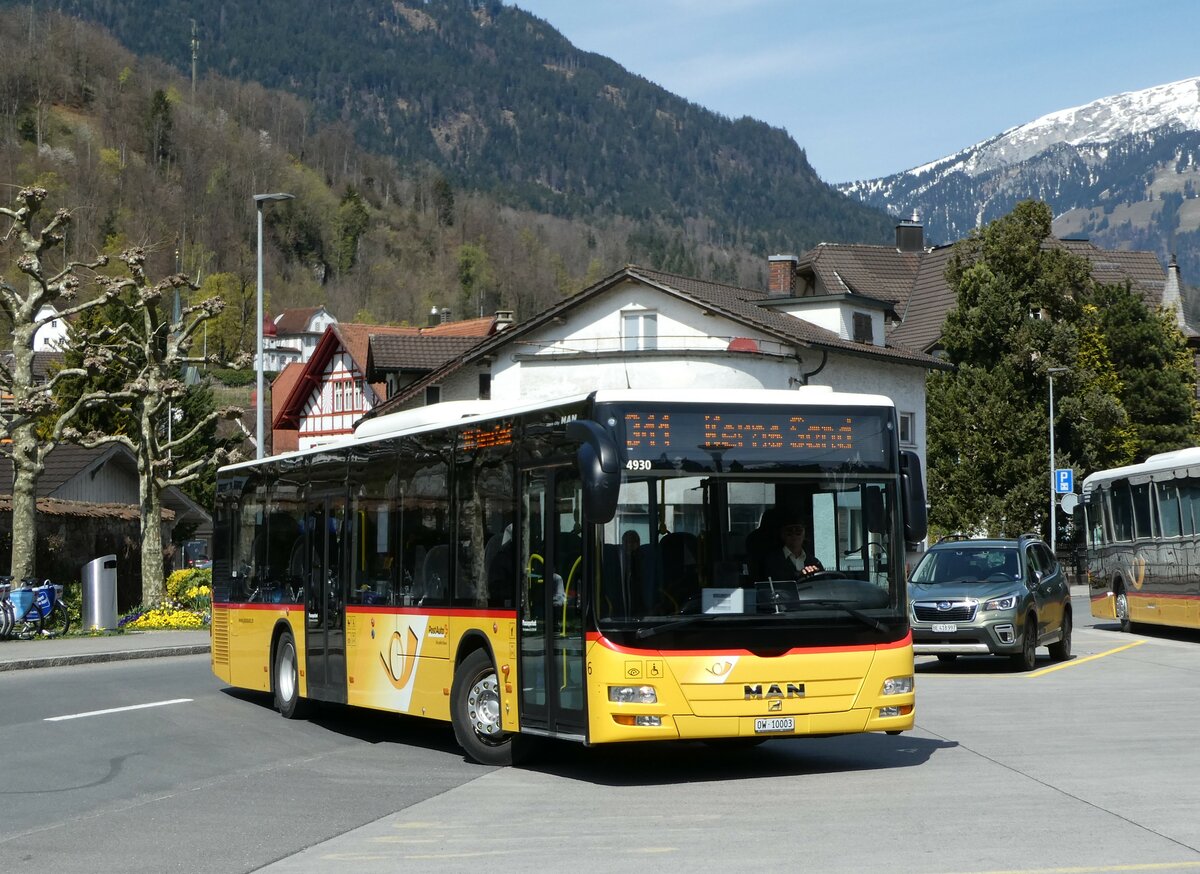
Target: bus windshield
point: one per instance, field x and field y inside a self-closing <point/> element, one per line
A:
<point x="737" y="549"/>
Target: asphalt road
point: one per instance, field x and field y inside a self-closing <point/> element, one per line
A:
<point x="1088" y="766"/>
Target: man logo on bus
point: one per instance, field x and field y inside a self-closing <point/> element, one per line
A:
<point x="401" y="660"/>
<point x="774" y="690"/>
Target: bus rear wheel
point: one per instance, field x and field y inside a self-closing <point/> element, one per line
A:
<point x="475" y="711"/>
<point x="1123" y="609"/>
<point x="285" y="679"/>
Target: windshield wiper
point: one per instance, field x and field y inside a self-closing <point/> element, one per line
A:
<point x="677" y="623"/>
<point x="862" y="617"/>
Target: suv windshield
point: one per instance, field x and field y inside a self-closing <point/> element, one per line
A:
<point x="968" y="564"/>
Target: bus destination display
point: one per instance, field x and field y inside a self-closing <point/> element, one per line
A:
<point x="757" y="435"/>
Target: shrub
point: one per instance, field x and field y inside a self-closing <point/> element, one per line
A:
<point x="188" y="578"/>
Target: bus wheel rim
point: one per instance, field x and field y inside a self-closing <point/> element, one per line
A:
<point x="287" y="674"/>
<point x="1122" y="606"/>
<point x="483" y="707"/>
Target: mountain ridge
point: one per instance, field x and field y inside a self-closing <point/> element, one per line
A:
<point x="1123" y="171"/>
<point x="501" y="102"/>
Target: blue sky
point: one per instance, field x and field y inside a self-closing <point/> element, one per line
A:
<point x="873" y="87"/>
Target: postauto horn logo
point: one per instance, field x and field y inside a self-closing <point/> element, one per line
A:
<point x="401" y="659"/>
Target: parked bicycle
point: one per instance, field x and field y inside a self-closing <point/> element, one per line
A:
<point x="32" y="609"/>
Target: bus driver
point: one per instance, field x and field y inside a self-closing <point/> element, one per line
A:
<point x="789" y="561"/>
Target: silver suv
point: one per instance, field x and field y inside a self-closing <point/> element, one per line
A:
<point x="1000" y="596"/>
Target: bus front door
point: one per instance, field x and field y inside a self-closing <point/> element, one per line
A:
<point x="325" y="637"/>
<point x="551" y="620"/>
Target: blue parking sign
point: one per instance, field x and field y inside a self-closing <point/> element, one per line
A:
<point x="1064" y="480"/>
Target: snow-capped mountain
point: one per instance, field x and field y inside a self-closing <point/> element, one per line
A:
<point x="1123" y="171"/>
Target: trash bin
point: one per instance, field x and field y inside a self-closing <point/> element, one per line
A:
<point x="100" y="593"/>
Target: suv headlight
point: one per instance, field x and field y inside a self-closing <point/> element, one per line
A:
<point x="1007" y="602"/>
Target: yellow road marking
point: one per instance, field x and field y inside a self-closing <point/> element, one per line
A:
<point x="1074" y="662"/>
<point x="1099" y="869"/>
<point x="1047" y="670"/>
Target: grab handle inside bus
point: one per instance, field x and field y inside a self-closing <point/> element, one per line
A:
<point x="599" y="469"/>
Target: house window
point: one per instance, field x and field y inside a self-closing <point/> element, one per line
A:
<point x="862" y="328"/>
<point x="906" y="429"/>
<point x="485" y="386"/>
<point x="1039" y="313"/>
<point x="639" y="330"/>
<point x="433" y="395"/>
<point x="337" y="397"/>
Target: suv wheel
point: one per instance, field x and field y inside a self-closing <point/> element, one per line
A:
<point x="1027" y="657"/>
<point x="1061" y="651"/>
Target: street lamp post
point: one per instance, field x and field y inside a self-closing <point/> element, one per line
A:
<point x="259" y="200"/>
<point x="1053" y="495"/>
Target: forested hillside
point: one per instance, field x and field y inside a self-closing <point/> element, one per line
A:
<point x="121" y="141"/>
<point x="503" y="103"/>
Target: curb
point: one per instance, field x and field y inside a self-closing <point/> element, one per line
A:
<point x="115" y="656"/>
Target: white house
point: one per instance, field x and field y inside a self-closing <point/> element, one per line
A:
<point x="292" y="336"/>
<point x="642" y="328"/>
<point x="52" y="335"/>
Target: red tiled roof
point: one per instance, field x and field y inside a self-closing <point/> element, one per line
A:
<point x="295" y="321"/>
<point x="466" y="328"/>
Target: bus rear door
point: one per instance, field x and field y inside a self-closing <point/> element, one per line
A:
<point x="325" y="637"/>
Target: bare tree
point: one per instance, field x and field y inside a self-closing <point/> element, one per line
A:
<point x="151" y="356"/>
<point x="31" y="401"/>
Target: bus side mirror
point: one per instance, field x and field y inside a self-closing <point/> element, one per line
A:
<point x="599" y="469"/>
<point x="912" y="495"/>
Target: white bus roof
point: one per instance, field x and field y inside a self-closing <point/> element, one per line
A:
<point x="1163" y="466"/>
<point x="447" y="413"/>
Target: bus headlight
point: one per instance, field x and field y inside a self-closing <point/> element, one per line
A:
<point x="898" y="685"/>
<point x="632" y="695"/>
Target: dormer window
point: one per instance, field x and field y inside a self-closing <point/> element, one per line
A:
<point x="863" y="332"/>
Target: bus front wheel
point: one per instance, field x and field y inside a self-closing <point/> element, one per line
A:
<point x="475" y="711"/>
<point x="285" y="677"/>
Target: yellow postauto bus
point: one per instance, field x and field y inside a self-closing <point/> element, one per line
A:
<point x="601" y="569"/>
<point x="1142" y="523"/>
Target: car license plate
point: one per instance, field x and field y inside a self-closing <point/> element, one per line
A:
<point x="774" y="725"/>
<point x="945" y="627"/>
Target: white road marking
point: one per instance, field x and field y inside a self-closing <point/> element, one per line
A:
<point x="117" y="710"/>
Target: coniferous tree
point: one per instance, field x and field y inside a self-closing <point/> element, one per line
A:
<point x="1024" y="306"/>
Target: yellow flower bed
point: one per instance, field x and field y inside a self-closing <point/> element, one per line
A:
<point x="188" y="603"/>
<point x="167" y="617"/>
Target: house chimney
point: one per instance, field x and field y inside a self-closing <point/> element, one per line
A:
<point x="433" y="318"/>
<point x="781" y="282"/>
<point x="504" y="319"/>
<point x="910" y="235"/>
<point x="445" y="315"/>
<point x="1172" y="296"/>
